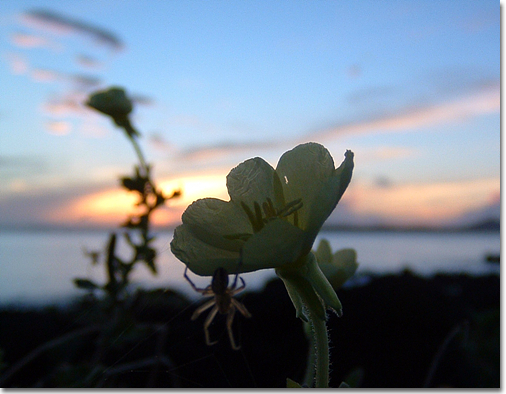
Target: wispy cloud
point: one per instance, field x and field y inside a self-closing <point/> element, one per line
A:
<point x="224" y="149"/>
<point x="89" y="62"/>
<point x="17" y="64"/>
<point x="58" y="127"/>
<point x="370" y="94"/>
<point x="63" y="109"/>
<point x="44" y="75"/>
<point x="160" y="143"/>
<point x="386" y="153"/>
<point x="60" y="24"/>
<point x="76" y="81"/>
<point x="63" y="106"/>
<point x="14" y="165"/>
<point x="480" y="103"/>
<point x="24" y="40"/>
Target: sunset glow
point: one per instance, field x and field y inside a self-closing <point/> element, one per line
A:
<point x="111" y="207"/>
<point x="426" y="203"/>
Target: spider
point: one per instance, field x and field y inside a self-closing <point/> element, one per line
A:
<point x="223" y="302"/>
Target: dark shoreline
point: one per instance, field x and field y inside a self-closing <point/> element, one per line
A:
<point x="489" y="226"/>
<point x="391" y="330"/>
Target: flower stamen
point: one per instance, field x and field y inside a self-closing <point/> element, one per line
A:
<point x="257" y="225"/>
<point x="258" y="221"/>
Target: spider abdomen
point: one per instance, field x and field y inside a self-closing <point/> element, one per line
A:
<point x="223" y="302"/>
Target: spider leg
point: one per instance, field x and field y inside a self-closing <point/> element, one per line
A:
<point x="191" y="283"/>
<point x="203" y="308"/>
<point x="239" y="289"/>
<point x="207" y="323"/>
<point x="230" y="320"/>
<point x="241" y="308"/>
<point x="235" y="282"/>
<point x="237" y="274"/>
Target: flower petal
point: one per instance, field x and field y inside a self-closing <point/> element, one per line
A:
<point x="276" y="244"/>
<point x="253" y="181"/>
<point x="327" y="197"/>
<point x="218" y="223"/>
<point x="303" y="171"/>
<point x="200" y="257"/>
<point x="330" y="194"/>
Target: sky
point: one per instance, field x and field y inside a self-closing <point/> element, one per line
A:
<point x="411" y="87"/>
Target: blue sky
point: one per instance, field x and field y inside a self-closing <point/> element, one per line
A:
<point x="412" y="87"/>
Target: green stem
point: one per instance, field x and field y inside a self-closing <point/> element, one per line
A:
<point x="131" y="133"/>
<point x="311" y="357"/>
<point x="139" y="154"/>
<point x="317" y="320"/>
<point x="321" y="341"/>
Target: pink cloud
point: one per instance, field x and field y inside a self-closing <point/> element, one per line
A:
<point x="33" y="41"/>
<point x="58" y="127"/>
<point x="483" y="102"/>
<point x="17" y="63"/>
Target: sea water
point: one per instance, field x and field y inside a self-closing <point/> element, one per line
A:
<point x="38" y="267"/>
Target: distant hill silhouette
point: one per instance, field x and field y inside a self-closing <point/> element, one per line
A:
<point x="486" y="225"/>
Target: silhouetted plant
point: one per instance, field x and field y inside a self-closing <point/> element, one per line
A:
<point x="115" y="103"/>
<point x="112" y="323"/>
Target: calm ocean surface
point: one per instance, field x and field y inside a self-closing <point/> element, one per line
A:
<point x="38" y="267"/>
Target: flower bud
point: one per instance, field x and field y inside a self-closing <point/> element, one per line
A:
<point x="116" y="104"/>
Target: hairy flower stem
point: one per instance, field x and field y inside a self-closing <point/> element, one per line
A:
<point x="311" y="356"/>
<point x="322" y="352"/>
<point x="316" y="318"/>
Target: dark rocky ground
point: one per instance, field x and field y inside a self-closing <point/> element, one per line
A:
<point x="395" y="330"/>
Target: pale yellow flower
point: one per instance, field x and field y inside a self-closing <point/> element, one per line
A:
<point x="271" y="220"/>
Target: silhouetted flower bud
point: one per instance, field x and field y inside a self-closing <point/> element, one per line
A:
<point x="115" y="103"/>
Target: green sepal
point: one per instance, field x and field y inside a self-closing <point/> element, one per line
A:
<point x="296" y="300"/>
<point x="298" y="284"/>
<point x="321" y="285"/>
